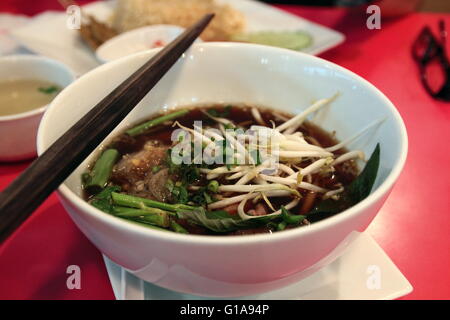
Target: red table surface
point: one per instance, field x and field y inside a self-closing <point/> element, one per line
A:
<point x="412" y="227"/>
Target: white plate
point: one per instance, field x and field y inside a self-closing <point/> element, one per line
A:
<point x="48" y="35"/>
<point x="363" y="272"/>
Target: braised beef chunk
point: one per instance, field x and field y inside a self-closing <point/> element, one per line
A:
<point x="156" y="185"/>
<point x="136" y="175"/>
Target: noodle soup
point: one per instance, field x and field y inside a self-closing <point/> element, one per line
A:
<point x="226" y="170"/>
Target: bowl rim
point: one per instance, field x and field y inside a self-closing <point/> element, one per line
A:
<point x="39" y="60"/>
<point x="207" y="240"/>
<point x="126" y="36"/>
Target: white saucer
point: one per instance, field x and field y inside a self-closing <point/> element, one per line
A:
<point x="364" y="271"/>
<point x="138" y="40"/>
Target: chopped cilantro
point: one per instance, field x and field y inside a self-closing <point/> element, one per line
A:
<point x="50" y="89"/>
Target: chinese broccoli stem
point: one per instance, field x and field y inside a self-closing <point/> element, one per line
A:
<point x="102" y="170"/>
<point x="126" y="200"/>
<point x="157" y="217"/>
<point x="154" y="122"/>
<point x="291" y="218"/>
<point x="177" y="228"/>
<point x="127" y="212"/>
<point x="145" y="224"/>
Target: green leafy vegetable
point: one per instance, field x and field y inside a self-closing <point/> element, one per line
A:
<point x="221" y="221"/>
<point x="360" y="188"/>
<point x="187" y="173"/>
<point x="178" y="191"/>
<point x="202" y="196"/>
<point x="355" y="192"/>
<point x="103" y="200"/>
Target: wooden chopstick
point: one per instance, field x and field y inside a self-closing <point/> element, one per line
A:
<point x="48" y="171"/>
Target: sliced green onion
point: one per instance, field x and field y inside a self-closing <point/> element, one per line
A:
<point x="213" y="186"/>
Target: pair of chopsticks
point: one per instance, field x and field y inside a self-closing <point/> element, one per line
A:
<point x="48" y="171"/>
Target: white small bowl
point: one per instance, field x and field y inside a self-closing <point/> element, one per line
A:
<point x="138" y="40"/>
<point x="18" y="131"/>
<point x="233" y="73"/>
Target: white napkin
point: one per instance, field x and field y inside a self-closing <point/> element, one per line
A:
<point x="47" y="34"/>
<point x="9" y="22"/>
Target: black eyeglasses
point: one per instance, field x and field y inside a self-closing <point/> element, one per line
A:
<point x="430" y="54"/>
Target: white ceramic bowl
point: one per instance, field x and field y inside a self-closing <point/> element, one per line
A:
<point x="18" y="131"/>
<point x="233" y="73"/>
<point x="138" y="40"/>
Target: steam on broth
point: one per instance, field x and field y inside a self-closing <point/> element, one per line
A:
<point x="22" y="95"/>
<point x="227" y="170"/>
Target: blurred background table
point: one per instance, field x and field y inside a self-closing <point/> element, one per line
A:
<point x="412" y="227"/>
